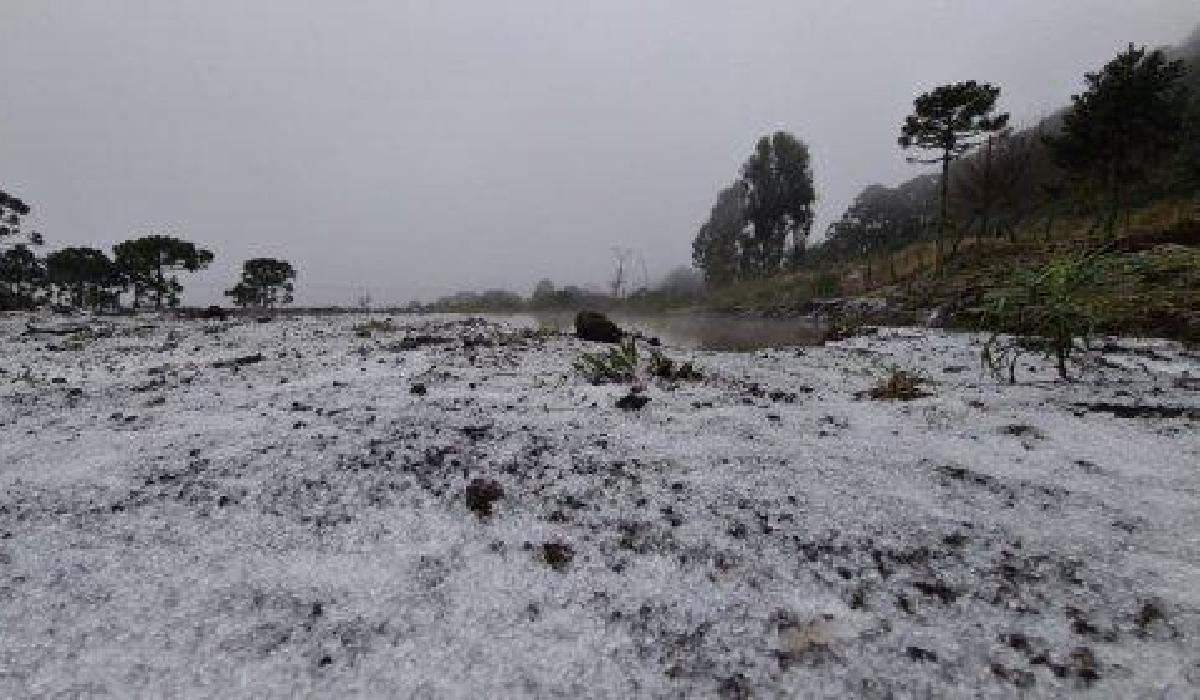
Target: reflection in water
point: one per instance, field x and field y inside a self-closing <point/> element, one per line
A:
<point x="709" y="331"/>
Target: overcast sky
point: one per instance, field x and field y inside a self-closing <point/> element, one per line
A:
<point x="414" y="148"/>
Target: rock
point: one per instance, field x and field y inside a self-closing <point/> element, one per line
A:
<point x="481" y="494"/>
<point x="632" y="402"/>
<point x="595" y="326"/>
<point x="239" y="361"/>
<point x="557" y="555"/>
<point x="418" y="390"/>
<point x="800" y="637"/>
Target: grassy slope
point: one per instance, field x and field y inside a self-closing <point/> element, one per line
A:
<point x="1153" y="289"/>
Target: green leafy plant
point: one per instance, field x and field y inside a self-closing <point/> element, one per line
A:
<point x="1048" y="309"/>
<point x="664" y="367"/>
<point x="620" y="364"/>
<point x="617" y="364"/>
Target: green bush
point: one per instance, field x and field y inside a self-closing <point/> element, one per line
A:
<point x="1048" y="308"/>
<point x="618" y="364"/>
<point x="664" y="367"/>
<point x="827" y="284"/>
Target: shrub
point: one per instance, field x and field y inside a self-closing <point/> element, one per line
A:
<point x="827" y="284"/>
<point x="1047" y="308"/>
<point x="617" y="364"/>
<point x="664" y="367"/>
<point x="620" y="364"/>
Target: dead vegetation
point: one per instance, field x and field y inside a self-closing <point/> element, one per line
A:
<point x="899" y="386"/>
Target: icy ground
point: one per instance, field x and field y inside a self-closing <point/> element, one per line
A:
<point x="181" y="517"/>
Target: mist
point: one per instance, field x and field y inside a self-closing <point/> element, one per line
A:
<point x="413" y="149"/>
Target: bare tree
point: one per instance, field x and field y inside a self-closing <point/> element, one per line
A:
<point x="999" y="186"/>
<point x="622" y="257"/>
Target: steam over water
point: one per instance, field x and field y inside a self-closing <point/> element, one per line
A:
<point x="710" y="331"/>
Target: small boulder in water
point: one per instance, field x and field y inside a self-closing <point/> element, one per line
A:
<point x="595" y="326"/>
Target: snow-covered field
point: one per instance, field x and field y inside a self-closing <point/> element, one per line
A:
<point x="294" y="523"/>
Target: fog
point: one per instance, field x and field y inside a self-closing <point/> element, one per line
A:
<point x="410" y="149"/>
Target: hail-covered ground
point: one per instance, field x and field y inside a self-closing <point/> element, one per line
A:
<point x="224" y="509"/>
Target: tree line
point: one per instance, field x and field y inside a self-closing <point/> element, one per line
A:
<point x="146" y="269"/>
<point x="1132" y="135"/>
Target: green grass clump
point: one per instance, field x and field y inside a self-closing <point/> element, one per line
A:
<point x="620" y="364"/>
<point x="664" y="367"/>
<point x="367" y="328"/>
<point x="615" y="365"/>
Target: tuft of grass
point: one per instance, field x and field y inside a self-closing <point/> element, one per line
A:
<point x="664" y="367"/>
<point x="367" y="328"/>
<point x="899" y="386"/>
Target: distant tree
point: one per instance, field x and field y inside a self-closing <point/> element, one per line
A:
<point x="265" y="282"/>
<point x="21" y="273"/>
<point x="882" y="219"/>
<point x="83" y="277"/>
<point x="871" y="223"/>
<point x="137" y="264"/>
<point x="12" y="211"/>
<point x="543" y="295"/>
<point x="1186" y="170"/>
<point x="146" y="262"/>
<point x="779" y="197"/>
<point x="717" y="248"/>
<point x="1123" y="126"/>
<point x="682" y="282"/>
<point x="950" y="120"/>
<point x="621" y="261"/>
<point x="501" y="300"/>
<point x="1002" y="183"/>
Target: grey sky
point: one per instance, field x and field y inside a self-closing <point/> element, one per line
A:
<point x="415" y="148"/>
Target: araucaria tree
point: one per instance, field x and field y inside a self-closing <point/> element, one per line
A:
<point x="146" y="263"/>
<point x="20" y="270"/>
<point x="12" y="211"/>
<point x="1123" y="126"/>
<point x="21" y="274"/>
<point x="950" y="121"/>
<point x="265" y="282"/>
<point x="83" y="277"/>
<point x="780" y="194"/>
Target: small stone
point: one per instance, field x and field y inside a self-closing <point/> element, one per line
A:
<point x="558" y="555"/>
<point x="632" y="402"/>
<point x="481" y="494"/>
